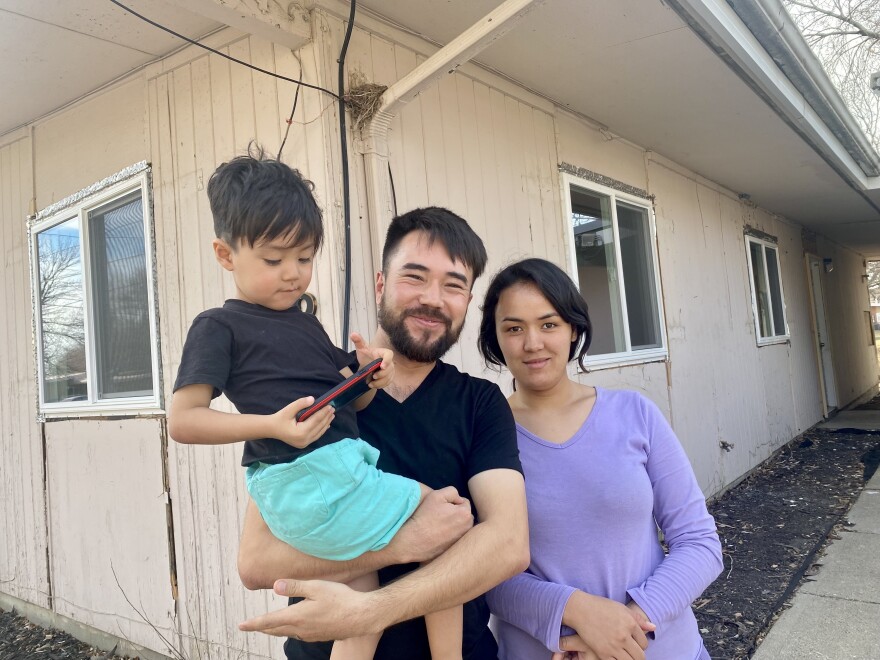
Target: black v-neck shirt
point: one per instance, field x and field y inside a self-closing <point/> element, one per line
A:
<point x="452" y="427"/>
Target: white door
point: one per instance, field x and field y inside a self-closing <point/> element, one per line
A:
<point x="824" y="342"/>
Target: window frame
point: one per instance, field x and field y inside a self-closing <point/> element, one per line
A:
<point x="628" y="357"/>
<point x="78" y="206"/>
<point x="765" y="245"/>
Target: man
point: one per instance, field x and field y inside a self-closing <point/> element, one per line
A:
<point x="433" y="424"/>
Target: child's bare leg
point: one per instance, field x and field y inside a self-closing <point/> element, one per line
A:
<point x="444" y="627"/>
<point x="358" y="648"/>
<point x="444" y="633"/>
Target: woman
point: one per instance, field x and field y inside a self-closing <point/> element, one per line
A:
<point x="603" y="471"/>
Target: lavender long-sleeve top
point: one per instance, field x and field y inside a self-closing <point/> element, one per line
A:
<point x="593" y="502"/>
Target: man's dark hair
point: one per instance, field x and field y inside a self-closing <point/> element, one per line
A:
<point x="255" y="197"/>
<point x="559" y="291"/>
<point x="438" y="224"/>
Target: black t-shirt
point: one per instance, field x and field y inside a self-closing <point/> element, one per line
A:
<point x="451" y="428"/>
<point x="262" y="360"/>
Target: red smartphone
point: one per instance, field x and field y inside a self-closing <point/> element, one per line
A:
<point x="344" y="393"/>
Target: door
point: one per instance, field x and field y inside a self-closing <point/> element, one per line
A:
<point x="823" y="341"/>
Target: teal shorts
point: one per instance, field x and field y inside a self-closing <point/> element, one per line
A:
<point x="333" y="502"/>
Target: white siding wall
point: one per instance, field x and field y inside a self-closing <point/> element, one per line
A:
<point x="475" y="143"/>
<point x="109" y="553"/>
<point x="203" y="110"/>
<point x="23" y="570"/>
<point x="846" y="300"/>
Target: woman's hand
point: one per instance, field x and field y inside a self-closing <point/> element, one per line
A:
<point x="605" y="627"/>
<point x="574" y="649"/>
<point x="640" y="617"/>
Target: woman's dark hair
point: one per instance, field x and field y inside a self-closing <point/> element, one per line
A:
<point x="556" y="287"/>
<point x="453" y="231"/>
<point x="255" y="197"/>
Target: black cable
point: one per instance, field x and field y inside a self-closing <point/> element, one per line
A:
<point x="346" y="206"/>
<point x="217" y="52"/>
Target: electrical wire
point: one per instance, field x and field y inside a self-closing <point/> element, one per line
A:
<point x="221" y="54"/>
<point x="346" y="194"/>
<point x="346" y="205"/>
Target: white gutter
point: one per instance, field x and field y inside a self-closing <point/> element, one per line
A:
<point x="760" y="43"/>
<point x="380" y="204"/>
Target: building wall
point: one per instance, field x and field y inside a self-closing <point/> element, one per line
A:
<point x="846" y="302"/>
<point x="475" y="143"/>
<point x="202" y="111"/>
<point x="23" y="569"/>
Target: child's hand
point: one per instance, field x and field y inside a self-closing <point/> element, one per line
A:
<point x="366" y="354"/>
<point x="300" y="434"/>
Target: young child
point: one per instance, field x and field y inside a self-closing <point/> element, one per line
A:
<point x="315" y="482"/>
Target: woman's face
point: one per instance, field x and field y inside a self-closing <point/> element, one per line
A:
<point x="533" y="337"/>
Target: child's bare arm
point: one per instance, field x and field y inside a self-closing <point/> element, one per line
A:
<point x="192" y="421"/>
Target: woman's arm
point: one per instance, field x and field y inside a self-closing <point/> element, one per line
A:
<point x="542" y="608"/>
<point x="694" y="559"/>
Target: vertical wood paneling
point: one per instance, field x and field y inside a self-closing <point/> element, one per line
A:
<point x="23" y="570"/>
<point x="846" y="298"/>
<point x="214" y="110"/>
<point x="107" y="516"/>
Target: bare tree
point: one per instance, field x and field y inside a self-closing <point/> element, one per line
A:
<point x="874" y="281"/>
<point x="845" y="35"/>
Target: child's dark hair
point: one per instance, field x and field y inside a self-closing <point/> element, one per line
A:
<point x="256" y="197"/>
<point x="442" y="225"/>
<point x="559" y="291"/>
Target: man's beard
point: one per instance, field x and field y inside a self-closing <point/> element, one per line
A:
<point x="412" y="348"/>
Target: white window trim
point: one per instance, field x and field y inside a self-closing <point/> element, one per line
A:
<point x="79" y="206"/>
<point x="628" y="357"/>
<point x="775" y="339"/>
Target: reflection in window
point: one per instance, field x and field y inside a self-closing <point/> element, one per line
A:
<point x="616" y="272"/>
<point x="94" y="313"/>
<point x="120" y="297"/>
<point x="62" y="325"/>
<point x="766" y="284"/>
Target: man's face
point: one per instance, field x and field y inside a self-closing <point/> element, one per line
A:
<point x="423" y="298"/>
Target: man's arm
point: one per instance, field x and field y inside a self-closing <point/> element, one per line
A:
<point x="492" y="551"/>
<point x="439" y="521"/>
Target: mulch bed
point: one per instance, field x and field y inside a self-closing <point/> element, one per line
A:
<point x="772" y="525"/>
<point x="22" y="640"/>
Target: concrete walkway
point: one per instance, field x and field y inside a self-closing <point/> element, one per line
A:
<point x="837" y="615"/>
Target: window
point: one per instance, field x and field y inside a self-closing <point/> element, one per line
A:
<point x="767" y="300"/>
<point x="93" y="292"/>
<point x="613" y="258"/>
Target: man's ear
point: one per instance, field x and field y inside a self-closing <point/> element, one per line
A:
<point x="380" y="286"/>
<point x="223" y="253"/>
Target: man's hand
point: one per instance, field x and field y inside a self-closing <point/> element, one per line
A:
<point x="605" y="627"/>
<point x="366" y="354"/>
<point x="283" y="424"/>
<point x="442" y="518"/>
<point x="330" y="611"/>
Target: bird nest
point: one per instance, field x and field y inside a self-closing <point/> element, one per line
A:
<point x="363" y="99"/>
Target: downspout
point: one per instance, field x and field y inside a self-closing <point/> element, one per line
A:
<point x="447" y="60"/>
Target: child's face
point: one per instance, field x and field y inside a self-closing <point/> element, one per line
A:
<point x="273" y="273"/>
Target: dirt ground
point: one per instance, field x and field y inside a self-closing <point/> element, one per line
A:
<point x="773" y="526"/>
